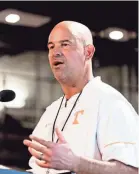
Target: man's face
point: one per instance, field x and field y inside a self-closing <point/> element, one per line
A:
<point x="66" y="54"/>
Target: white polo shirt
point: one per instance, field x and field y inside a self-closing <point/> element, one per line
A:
<point x="102" y="126"/>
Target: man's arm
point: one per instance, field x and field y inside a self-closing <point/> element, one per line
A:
<point x="60" y="156"/>
<point x="91" y="166"/>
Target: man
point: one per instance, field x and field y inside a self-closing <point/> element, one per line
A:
<point x="92" y="129"/>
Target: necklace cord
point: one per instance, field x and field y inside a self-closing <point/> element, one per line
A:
<point x="67" y="117"/>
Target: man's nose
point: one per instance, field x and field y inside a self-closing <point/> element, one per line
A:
<point x="57" y="52"/>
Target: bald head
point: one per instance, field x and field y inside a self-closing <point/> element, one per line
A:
<point x="78" y="30"/>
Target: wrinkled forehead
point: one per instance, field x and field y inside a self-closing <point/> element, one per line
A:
<point x="61" y="33"/>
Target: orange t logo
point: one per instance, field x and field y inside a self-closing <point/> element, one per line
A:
<point x="77" y="115"/>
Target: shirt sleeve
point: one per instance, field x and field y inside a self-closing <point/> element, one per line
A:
<point x="117" y="133"/>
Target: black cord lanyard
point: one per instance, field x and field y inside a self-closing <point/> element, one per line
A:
<point x="67" y="117"/>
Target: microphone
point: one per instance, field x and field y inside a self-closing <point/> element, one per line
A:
<point x="7" y="95"/>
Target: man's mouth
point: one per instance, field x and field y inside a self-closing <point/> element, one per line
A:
<point x="57" y="63"/>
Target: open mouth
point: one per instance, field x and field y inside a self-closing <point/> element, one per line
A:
<point x="57" y="63"/>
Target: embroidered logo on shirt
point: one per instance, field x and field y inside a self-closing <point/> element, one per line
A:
<point x="77" y="114"/>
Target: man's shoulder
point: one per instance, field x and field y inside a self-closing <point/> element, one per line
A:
<point x="112" y="101"/>
<point x="51" y="109"/>
<point x="101" y="88"/>
<point x="55" y="103"/>
<point x="111" y="97"/>
<point x="107" y="91"/>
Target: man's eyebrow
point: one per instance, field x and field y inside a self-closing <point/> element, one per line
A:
<point x="49" y="43"/>
<point x="65" y="40"/>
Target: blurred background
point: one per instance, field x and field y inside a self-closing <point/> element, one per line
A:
<point x="24" y="66"/>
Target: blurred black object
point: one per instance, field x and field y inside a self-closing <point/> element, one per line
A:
<point x="7" y="95"/>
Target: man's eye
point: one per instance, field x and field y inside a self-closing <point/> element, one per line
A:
<point x="51" y="47"/>
<point x="65" y="44"/>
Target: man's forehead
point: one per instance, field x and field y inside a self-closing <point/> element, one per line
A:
<point x="61" y="32"/>
<point x="60" y="40"/>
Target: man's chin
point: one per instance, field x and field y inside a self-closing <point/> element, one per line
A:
<point x="60" y="77"/>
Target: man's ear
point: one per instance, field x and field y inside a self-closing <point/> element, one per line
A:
<point x="89" y="51"/>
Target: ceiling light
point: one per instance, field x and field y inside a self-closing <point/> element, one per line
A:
<point x="116" y="35"/>
<point x="12" y="18"/>
<point x="21" y="18"/>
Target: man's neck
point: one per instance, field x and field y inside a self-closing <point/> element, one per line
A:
<point x="70" y="90"/>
